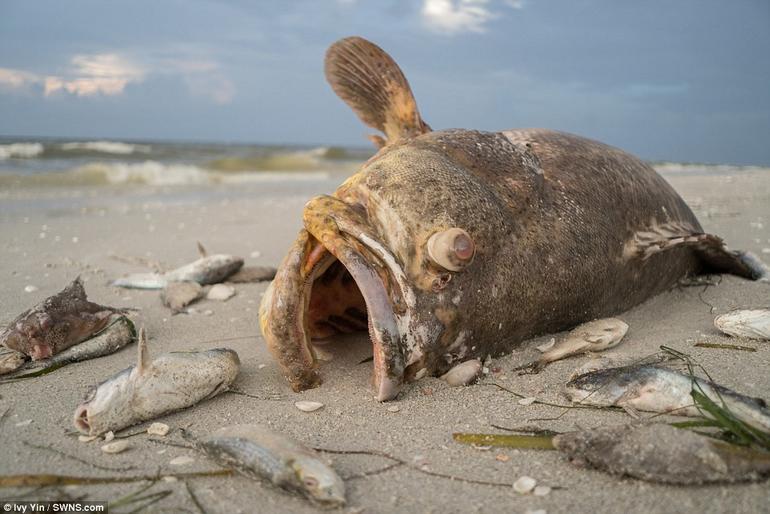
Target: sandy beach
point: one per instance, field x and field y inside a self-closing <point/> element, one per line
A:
<point x="51" y="235"/>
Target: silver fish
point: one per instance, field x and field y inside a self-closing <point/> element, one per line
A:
<point x="662" y="453"/>
<point x="210" y="269"/>
<point x="11" y="360"/>
<point x="150" y="389"/>
<point x="654" y="388"/>
<point x="594" y="336"/>
<point x="258" y="452"/>
<point x="748" y="323"/>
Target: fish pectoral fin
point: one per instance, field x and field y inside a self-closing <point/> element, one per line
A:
<point x="201" y="250"/>
<point x="373" y="85"/>
<point x="711" y="250"/>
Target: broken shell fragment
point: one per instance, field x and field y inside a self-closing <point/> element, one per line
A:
<point x="115" y="447"/>
<point x="463" y="374"/>
<point x="178" y="295"/>
<point x="181" y="461"/>
<point x="160" y="429"/>
<point x="221" y="292"/>
<point x="748" y="323"/>
<point x="524" y="485"/>
<point x="308" y="406"/>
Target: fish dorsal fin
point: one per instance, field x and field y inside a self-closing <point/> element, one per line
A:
<point x="201" y="250"/>
<point x="143" y="358"/>
<point x="372" y="84"/>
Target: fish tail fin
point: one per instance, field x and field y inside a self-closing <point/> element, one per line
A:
<point x="372" y="84"/>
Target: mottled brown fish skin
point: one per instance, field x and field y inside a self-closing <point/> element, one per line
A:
<point x="464" y="243"/>
<point x="56" y="323"/>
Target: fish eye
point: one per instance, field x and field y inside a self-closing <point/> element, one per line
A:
<point x="310" y="482"/>
<point x="452" y="249"/>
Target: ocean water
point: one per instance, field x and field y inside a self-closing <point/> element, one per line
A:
<point x="65" y="162"/>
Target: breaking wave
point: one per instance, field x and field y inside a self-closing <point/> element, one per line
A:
<point x="147" y="173"/>
<point x="707" y="169"/>
<point x="111" y="147"/>
<point x="21" y="150"/>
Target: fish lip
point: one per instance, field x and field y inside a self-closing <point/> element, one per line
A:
<point x="81" y="420"/>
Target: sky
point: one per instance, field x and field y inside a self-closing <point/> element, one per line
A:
<point x="685" y="80"/>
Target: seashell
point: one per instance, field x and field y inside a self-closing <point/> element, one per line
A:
<point x="527" y="401"/>
<point x="748" y="323"/>
<point x="308" y="406"/>
<point x="524" y="485"/>
<point x="115" y="447"/>
<point x="394" y="408"/>
<point x="109" y="436"/>
<point x="541" y="490"/>
<point x="546" y="346"/>
<point x="463" y="374"/>
<point x="87" y="438"/>
<point x="181" y="461"/>
<point x="221" y="292"/>
<point x="160" y="429"/>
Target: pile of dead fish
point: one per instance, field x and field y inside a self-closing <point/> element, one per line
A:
<point x="185" y="285"/>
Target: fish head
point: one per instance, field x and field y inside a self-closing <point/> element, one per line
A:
<point x="31" y="333"/>
<point x="318" y="482"/>
<point x="417" y="266"/>
<point x="105" y="405"/>
<point x="608" y="386"/>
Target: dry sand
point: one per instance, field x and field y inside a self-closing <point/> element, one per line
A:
<point x="52" y="235"/>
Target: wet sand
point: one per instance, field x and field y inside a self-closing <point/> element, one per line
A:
<point x="52" y="235"/>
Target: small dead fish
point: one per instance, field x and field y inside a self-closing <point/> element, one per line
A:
<point x="178" y="295"/>
<point x="119" y="333"/>
<point x="209" y="269"/>
<point x="653" y="388"/>
<point x="10" y="360"/>
<point x="257" y="452"/>
<point x="594" y="336"/>
<point x="150" y="389"/>
<point x="748" y="323"/>
<point x="56" y="323"/>
<point x="664" y="454"/>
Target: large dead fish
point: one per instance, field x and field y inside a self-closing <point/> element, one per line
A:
<point x="56" y="323"/>
<point x="662" y="453"/>
<point x="258" y="452"/>
<point x="453" y="245"/>
<point x="654" y="388"/>
<point x="150" y="389"/>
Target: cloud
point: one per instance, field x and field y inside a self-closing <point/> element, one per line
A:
<point x="16" y="79"/>
<point x="108" y="74"/>
<point x="456" y="16"/>
<point x="105" y="74"/>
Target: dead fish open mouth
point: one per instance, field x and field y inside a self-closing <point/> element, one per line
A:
<point x="339" y="279"/>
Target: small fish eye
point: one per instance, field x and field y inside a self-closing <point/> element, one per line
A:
<point x="452" y="249"/>
<point x="310" y="481"/>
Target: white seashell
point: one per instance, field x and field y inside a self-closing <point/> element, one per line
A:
<point x="87" y="438"/>
<point x="115" y="446"/>
<point x="463" y="374"/>
<point x="546" y="346"/>
<point x="541" y="490"/>
<point x="748" y="323"/>
<point x="524" y="485"/>
<point x="394" y="408"/>
<point x="109" y="436"/>
<point x="308" y="406"/>
<point x="221" y="292"/>
<point x="160" y="429"/>
<point x="527" y="401"/>
<point x="170" y="479"/>
<point x="30" y="288"/>
<point x="181" y="461"/>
